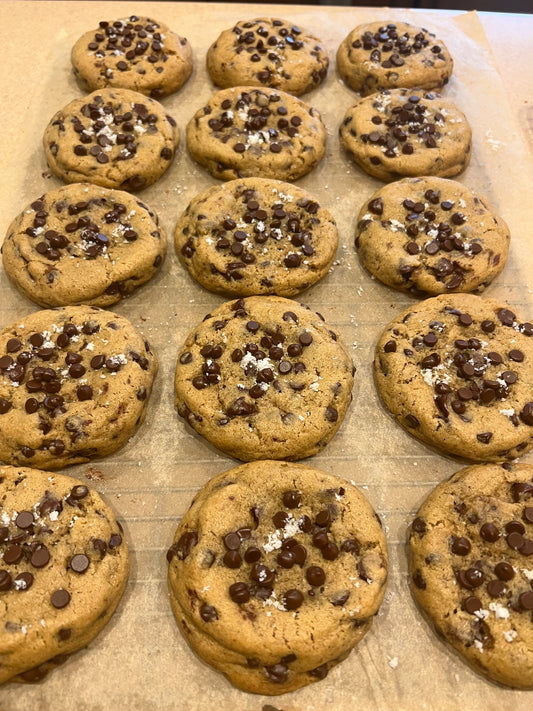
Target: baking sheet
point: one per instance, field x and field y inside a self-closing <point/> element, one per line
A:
<point x="141" y="661"/>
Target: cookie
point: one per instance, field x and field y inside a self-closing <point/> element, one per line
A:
<point x="376" y="56"/>
<point x="74" y="384"/>
<point x="244" y="132"/>
<point x="83" y="244"/>
<point x="275" y="574"/>
<point x="64" y="566"/>
<point x="267" y="52"/>
<point x="115" y="138"/>
<point x="407" y="133"/>
<point x="470" y="568"/>
<point x="456" y="371"/>
<point x="256" y="236"/>
<point x="264" y="378"/>
<point x="431" y="236"/>
<point x="135" y="53"/>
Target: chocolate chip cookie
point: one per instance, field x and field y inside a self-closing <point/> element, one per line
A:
<point x="376" y="56"/>
<point x="406" y="132"/>
<point x="268" y="52"/>
<point x="457" y="372"/>
<point x="256" y="236"/>
<point x="470" y="570"/>
<point x="74" y="384"/>
<point x="244" y="132"/>
<point x="431" y="236"/>
<point x="264" y="378"/>
<point x="135" y="53"/>
<point x="64" y="566"/>
<point x="115" y="138"/>
<point x="275" y="574"/>
<point x="83" y="244"/>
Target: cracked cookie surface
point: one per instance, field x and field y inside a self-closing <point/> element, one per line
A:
<point x="275" y="574"/>
<point x="245" y="132"/>
<point x="256" y="236"/>
<point x="457" y="373"/>
<point x="63" y="568"/>
<point x="407" y="133"/>
<point x="377" y="55"/>
<point x="136" y="53"/>
<point x="74" y="385"/>
<point x="264" y="377"/>
<point x="267" y="52"/>
<point x="429" y="236"/>
<point x="471" y="545"/>
<point x="115" y="138"/>
<point x="83" y="244"/>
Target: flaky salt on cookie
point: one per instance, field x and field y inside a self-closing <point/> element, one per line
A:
<point x="456" y="371"/>
<point x="245" y="132"/>
<point x="136" y="53"/>
<point x="264" y="377"/>
<point x="377" y="55"/>
<point x="268" y="52"/>
<point x="83" y="244"/>
<point x="64" y="565"/>
<point x="74" y="386"/>
<point x="276" y="573"/>
<point x="115" y="138"/>
<point x="256" y="236"/>
<point x="471" y="545"/>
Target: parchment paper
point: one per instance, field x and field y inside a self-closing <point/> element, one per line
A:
<point x="141" y="661"/>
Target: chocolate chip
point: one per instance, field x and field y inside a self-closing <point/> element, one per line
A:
<point x="208" y="613"/>
<point x="315" y="576"/>
<point x="252" y="554"/>
<point x="78" y="492"/>
<point x="489" y="532"/>
<point x="460" y="546"/>
<point x="79" y="563"/>
<point x="239" y="592"/>
<point x="40" y="557"/>
<point x="5" y="580"/>
<point x="12" y="554"/>
<point x="278" y="673"/>
<point x="24" y="520"/>
<point x="115" y="541"/>
<point x="504" y="571"/>
<point x="525" y="600"/>
<point x="331" y="414"/>
<point x="472" y="604"/>
<point x="232" y="541"/>
<point x="183" y="546"/>
<point x="60" y="598"/>
<point x="293" y="599"/>
<point x="292" y="499"/>
<point x="23" y="581"/>
<point x="495" y="588"/>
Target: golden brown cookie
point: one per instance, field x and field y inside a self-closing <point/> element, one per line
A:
<point x="83" y="244"/>
<point x="457" y="372"/>
<point x="263" y="378"/>
<point x="431" y="236"/>
<point x="115" y="138"/>
<point x="63" y="568"/>
<point x="74" y="385"/>
<point x="406" y="132"/>
<point x="244" y="132"/>
<point x="377" y="55"/>
<point x="136" y="53"/>
<point x="256" y="236"/>
<point x="275" y="574"/>
<point x="471" y="546"/>
<point x="267" y="52"/>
